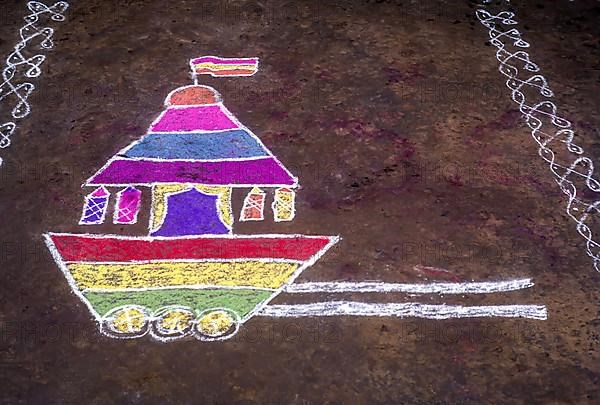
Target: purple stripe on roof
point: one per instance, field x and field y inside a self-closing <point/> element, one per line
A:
<point x="256" y="171"/>
<point x="225" y="61"/>
<point x="197" y="118"/>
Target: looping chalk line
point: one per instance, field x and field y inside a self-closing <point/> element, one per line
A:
<point x="19" y="68"/>
<point x="573" y="170"/>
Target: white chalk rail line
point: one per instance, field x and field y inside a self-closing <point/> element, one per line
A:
<point x="410" y="309"/>
<point x="13" y="74"/>
<point x="573" y="170"/>
<point x="432" y="288"/>
<point x="404" y="310"/>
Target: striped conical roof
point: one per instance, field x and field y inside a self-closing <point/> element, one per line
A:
<point x="195" y="140"/>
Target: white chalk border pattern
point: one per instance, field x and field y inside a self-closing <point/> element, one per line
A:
<point x="538" y="113"/>
<point x="10" y="73"/>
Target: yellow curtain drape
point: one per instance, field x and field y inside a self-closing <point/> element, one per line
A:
<point x="160" y="193"/>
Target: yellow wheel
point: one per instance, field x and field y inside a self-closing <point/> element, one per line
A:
<point x="127" y="321"/>
<point x="172" y="323"/>
<point x="217" y="324"/>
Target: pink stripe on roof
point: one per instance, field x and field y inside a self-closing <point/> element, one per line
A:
<point x="197" y="118"/>
<point x="225" y="61"/>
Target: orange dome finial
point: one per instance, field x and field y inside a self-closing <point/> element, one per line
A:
<point x="193" y="95"/>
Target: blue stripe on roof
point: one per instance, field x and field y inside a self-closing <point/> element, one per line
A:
<point x="212" y="145"/>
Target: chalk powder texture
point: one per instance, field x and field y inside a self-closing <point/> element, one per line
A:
<point x="202" y="118"/>
<point x="192" y="275"/>
<point x="162" y="193"/>
<point x="128" y="206"/>
<point x="139" y="285"/>
<point x="237" y="172"/>
<point x="96" y="204"/>
<point x="192" y="204"/>
<point x="254" y="205"/>
<point x="216" y="66"/>
<point x="197" y="146"/>
<point x="17" y="62"/>
<point x="554" y="134"/>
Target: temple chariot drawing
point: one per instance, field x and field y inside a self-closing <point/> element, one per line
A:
<point x="191" y="275"/>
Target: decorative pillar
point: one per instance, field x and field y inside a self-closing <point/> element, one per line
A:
<point x="283" y="206"/>
<point x="127" y="206"/>
<point x="94" y="209"/>
<point x="254" y="205"/>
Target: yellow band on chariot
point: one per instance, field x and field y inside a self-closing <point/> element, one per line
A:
<point x="248" y="273"/>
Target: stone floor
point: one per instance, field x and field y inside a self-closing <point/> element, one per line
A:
<point x="395" y="119"/>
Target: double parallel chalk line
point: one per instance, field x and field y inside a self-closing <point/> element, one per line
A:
<point x="404" y="310"/>
<point x="432" y="288"/>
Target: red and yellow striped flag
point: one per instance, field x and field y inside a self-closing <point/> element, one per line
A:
<point x="217" y="67"/>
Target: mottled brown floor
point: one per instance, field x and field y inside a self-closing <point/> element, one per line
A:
<point x="394" y="117"/>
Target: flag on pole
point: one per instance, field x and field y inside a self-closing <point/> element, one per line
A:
<point x="217" y="67"/>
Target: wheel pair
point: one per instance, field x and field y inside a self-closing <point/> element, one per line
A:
<point x="170" y="323"/>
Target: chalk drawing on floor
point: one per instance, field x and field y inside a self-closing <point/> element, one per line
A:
<point x="284" y="207"/>
<point x="19" y="67"/>
<point x="192" y="275"/>
<point x="485" y="287"/>
<point x="254" y="206"/>
<point x="405" y="310"/>
<point x="127" y="206"/>
<point x="130" y="284"/>
<point x="221" y="67"/>
<point x="95" y="207"/>
<point x="572" y="169"/>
